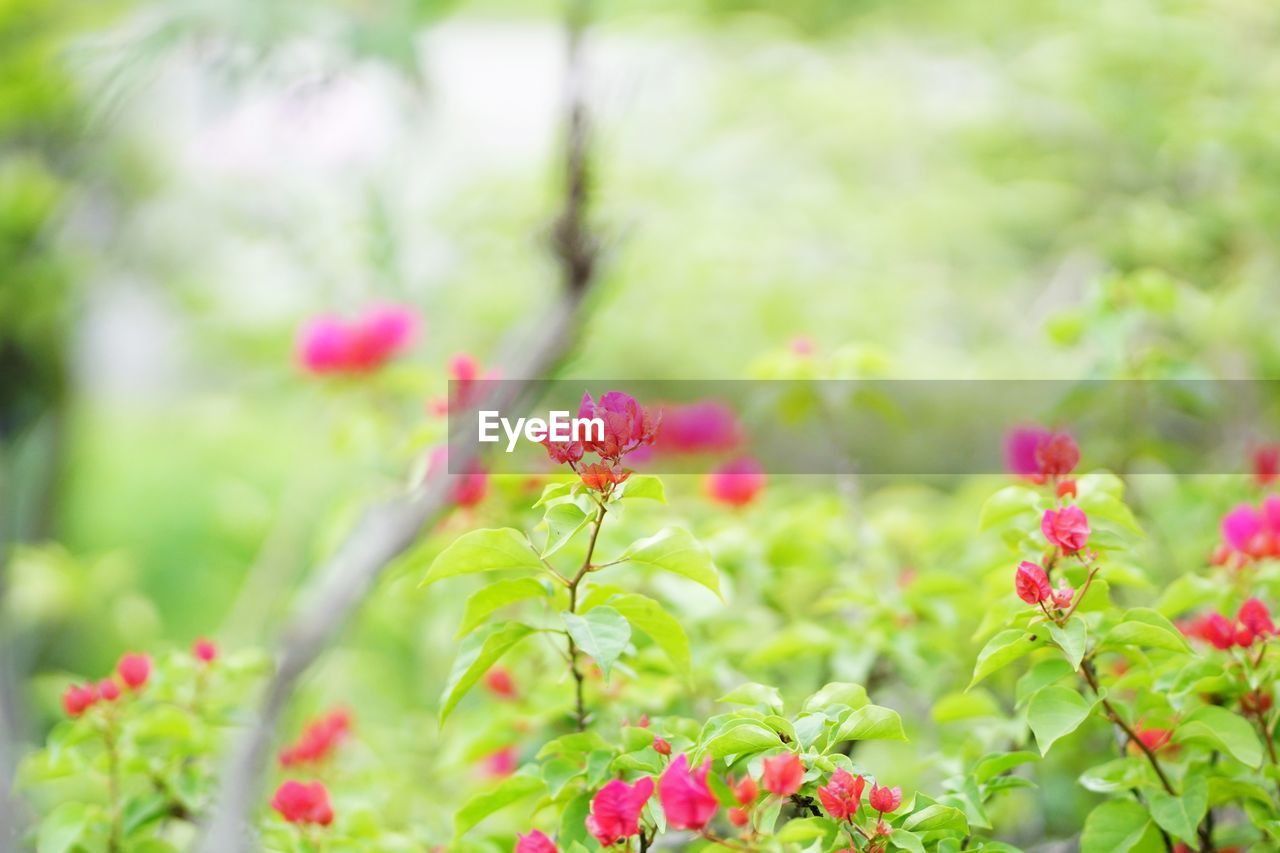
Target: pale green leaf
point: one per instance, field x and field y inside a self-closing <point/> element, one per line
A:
<point x="663" y="628"/>
<point x="488" y="550"/>
<point x="1055" y="712"/>
<point x="484" y="602"/>
<point x="477" y="654"/>
<point x="674" y="550"/>
<point x="601" y="632"/>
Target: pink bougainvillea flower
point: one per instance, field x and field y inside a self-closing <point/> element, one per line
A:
<point x="1064" y="594"/>
<point x="1217" y="631"/>
<point x="627" y="425"/>
<point x="108" y="690"/>
<point x="499" y="682"/>
<point x="736" y="482"/>
<point x="318" y="740"/>
<point x="1241" y="527"/>
<point x="328" y="344"/>
<point x="204" y="651"/>
<point x="1031" y="583"/>
<point x="600" y="477"/>
<point x="564" y="452"/>
<point x="1153" y="739"/>
<point x="615" y="810"/>
<point x="842" y="794"/>
<point x="322" y="345"/>
<point x="1255" y="616"/>
<point x="1266" y="464"/>
<point x="745" y="792"/>
<point x="134" y="670"/>
<point x="783" y="774"/>
<point x="661" y="745"/>
<point x="501" y="762"/>
<point x="468" y="488"/>
<point x="884" y="799"/>
<point x="1067" y="528"/>
<point x="1058" y="455"/>
<point x="739" y="817"/>
<point x="1037" y="453"/>
<point x="703" y="427"/>
<point x="299" y="802"/>
<point x="686" y="798"/>
<point x="801" y="346"/>
<point x="78" y="698"/>
<point x="535" y="842"/>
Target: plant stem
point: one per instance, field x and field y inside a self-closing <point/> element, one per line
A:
<point x="115" y="841"/>
<point x="580" y="707"/>
<point x="1086" y="669"/>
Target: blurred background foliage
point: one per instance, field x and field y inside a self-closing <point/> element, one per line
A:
<point x="992" y="189"/>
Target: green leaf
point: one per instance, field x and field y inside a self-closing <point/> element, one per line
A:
<point x="482" y="603"/>
<point x="488" y="550"/>
<point x="601" y="632"/>
<point x="937" y="817"/>
<point x="799" y="830"/>
<point x="1119" y="826"/>
<point x="1119" y="774"/>
<point x="477" y="654"/>
<point x="563" y="521"/>
<point x="753" y="694"/>
<point x="745" y="737"/>
<point x="1003" y="649"/>
<point x="1073" y="639"/>
<point x="553" y="491"/>
<point x="673" y="549"/>
<point x="904" y="840"/>
<point x="965" y="706"/>
<point x="996" y="763"/>
<point x="1180" y="815"/>
<point x="1041" y="675"/>
<point x="837" y="693"/>
<point x="1008" y="503"/>
<point x="1143" y="626"/>
<point x="511" y="790"/>
<point x="1054" y="712"/>
<point x="1220" y="728"/>
<point x="644" y="486"/>
<point x="663" y="628"/>
<point x="1105" y="507"/>
<point x="61" y="829"/>
<point x="871" y="722"/>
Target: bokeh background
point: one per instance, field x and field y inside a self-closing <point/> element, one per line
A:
<point x="920" y="189"/>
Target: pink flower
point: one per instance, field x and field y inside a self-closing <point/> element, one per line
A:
<point x="1063" y="595"/>
<point x="745" y="792"/>
<point x="1068" y="528"/>
<point x="1266" y="464"/>
<point x="108" y="690"/>
<point x="303" y="803"/>
<point x="468" y="488"/>
<point x="535" y="842"/>
<point x="687" y="801"/>
<point x="601" y="477"/>
<point x="802" y="346"/>
<point x="500" y="763"/>
<point x="842" y="794"/>
<point x="204" y="651"/>
<point x="1241" y="527"/>
<point x="327" y="344"/>
<point x="1218" y="631"/>
<point x="783" y="774"/>
<point x="1031" y="583"/>
<point x="318" y="740"/>
<point x="627" y="425"/>
<point x="661" y="745"/>
<point x="702" y="427"/>
<point x="322" y="345"/>
<point x="736" y="482"/>
<point x="884" y="799"/>
<point x="615" y="810"/>
<point x="1255" y="616"/>
<point x="1037" y="453"/>
<point x="1058" y="455"/>
<point x="78" y="698"/>
<point x="134" y="670"/>
<point x="500" y="683"/>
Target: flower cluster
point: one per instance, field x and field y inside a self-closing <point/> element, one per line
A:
<point x="1031" y="582"/>
<point x="1252" y="622"/>
<point x="331" y="345"/>
<point x="1040" y="455"/>
<point x="132" y="671"/>
<point x="627" y="427"/>
<point x="303" y="803"/>
<point x="1250" y="533"/>
<point x="318" y="740"/>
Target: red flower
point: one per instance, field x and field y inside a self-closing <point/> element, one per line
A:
<point x="1057" y="455"/>
<point x="1068" y="528"/>
<point x="783" y="774"/>
<point x="535" y="842"/>
<point x="1253" y="615"/>
<point x="661" y="746"/>
<point x="500" y="683"/>
<point x="736" y="482"/>
<point x="600" y="477"/>
<point x="108" y="690"/>
<point x="1066" y="487"/>
<point x="739" y="817"/>
<point x="134" y="670"/>
<point x="1266" y="464"/>
<point x="627" y="425"/>
<point x="303" y="803"/>
<point x="745" y="791"/>
<point x="204" y="650"/>
<point x="1217" y="630"/>
<point x="1031" y="583"/>
<point x="615" y="810"/>
<point x="78" y="698"/>
<point x="842" y="794"/>
<point x="884" y="799"/>
<point x="687" y="801"/>
<point x="1154" y="739"/>
<point x="318" y="740"/>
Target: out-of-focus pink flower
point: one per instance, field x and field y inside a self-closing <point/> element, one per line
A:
<point x="884" y="799"/>
<point x="842" y="794"/>
<point x="108" y="690"/>
<point x="328" y="344"/>
<point x="686" y="798"/>
<point x="535" y="842"/>
<point x="78" y="698"/>
<point x="1266" y="464"/>
<point x="318" y="740"/>
<point x="661" y="746"/>
<point x="783" y="774"/>
<point x="502" y="762"/>
<point x="1031" y="583"/>
<point x="1255" y="616"/>
<point x="1067" y="528"/>
<point x="322" y="344"/>
<point x="500" y="683"/>
<point x="746" y="791"/>
<point x="1154" y="739"/>
<point x="1241" y="527"/>
<point x="204" y="651"/>
<point x="1037" y="453"/>
<point x="134" y="670"/>
<point x="802" y="346"/>
<point x="736" y="482"/>
<point x="299" y="802"/>
<point x="739" y="817"/>
<point x="703" y="427"/>
<point x="468" y="489"/>
<point x="615" y="810"/>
